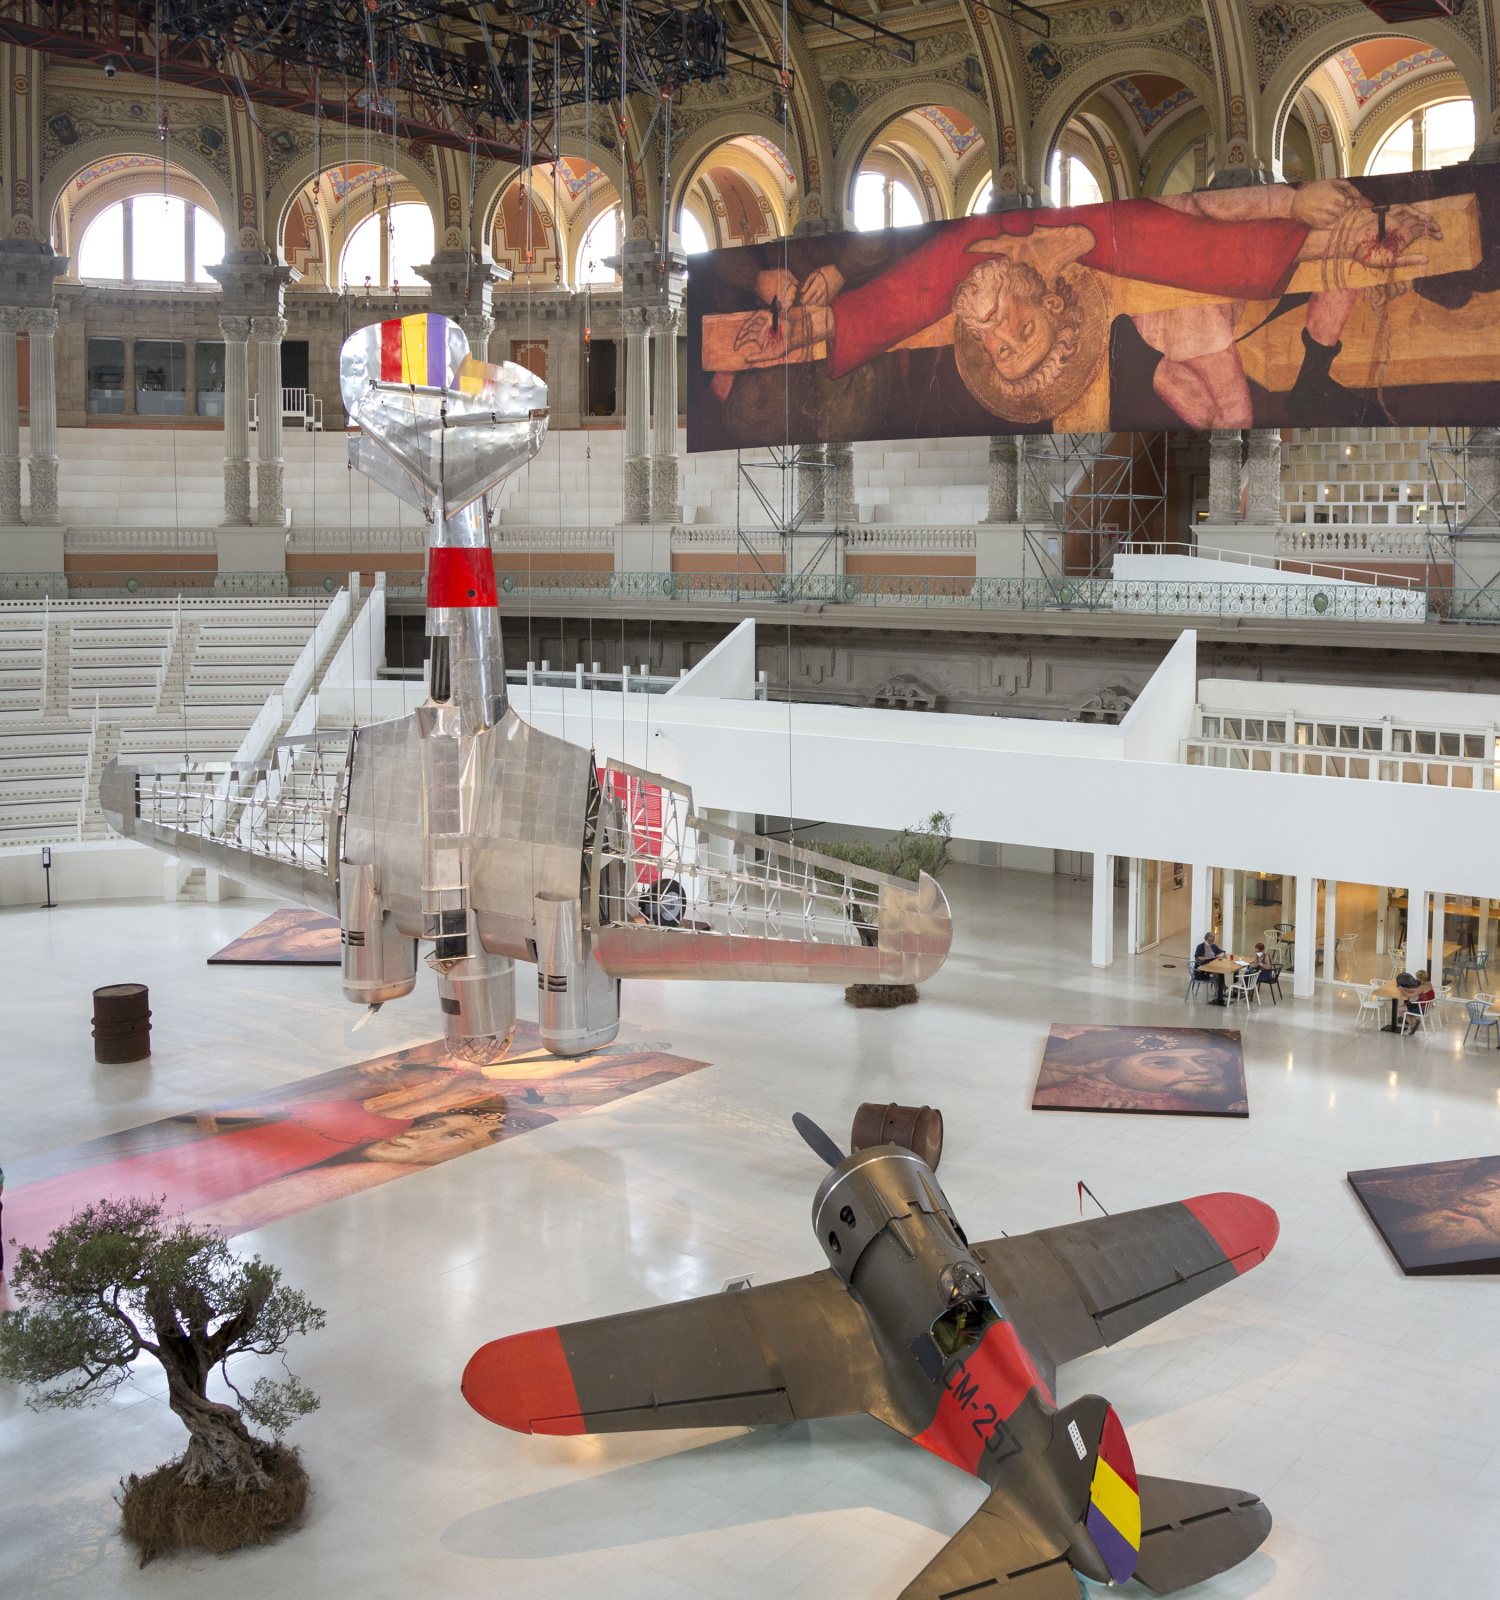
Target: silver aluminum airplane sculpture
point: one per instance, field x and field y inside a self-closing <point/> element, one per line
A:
<point x="463" y="826"/>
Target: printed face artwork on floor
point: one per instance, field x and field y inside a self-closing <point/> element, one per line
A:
<point x="1185" y="1072"/>
<point x="271" y="1155"/>
<point x="292" y="938"/>
<point x="1438" y="1218"/>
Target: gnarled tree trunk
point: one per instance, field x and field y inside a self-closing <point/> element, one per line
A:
<point x="222" y="1450"/>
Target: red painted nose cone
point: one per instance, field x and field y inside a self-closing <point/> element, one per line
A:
<point x="524" y="1383"/>
<point x="1245" y="1230"/>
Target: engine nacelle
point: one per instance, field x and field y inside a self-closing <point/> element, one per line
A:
<point x="478" y="997"/>
<point x="577" y="1002"/>
<point x="380" y="964"/>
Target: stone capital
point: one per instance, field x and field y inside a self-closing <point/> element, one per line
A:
<point x="39" y="319"/>
<point x="663" y="320"/>
<point x="10" y="318"/>
<point x="235" y="328"/>
<point x="269" y="328"/>
<point x="635" y="320"/>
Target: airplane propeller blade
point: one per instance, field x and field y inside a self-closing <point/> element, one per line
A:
<point x="370" y="1012"/>
<point x="817" y="1141"/>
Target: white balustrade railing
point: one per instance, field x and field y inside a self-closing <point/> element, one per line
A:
<point x="1351" y="540"/>
<point x="552" y="539"/>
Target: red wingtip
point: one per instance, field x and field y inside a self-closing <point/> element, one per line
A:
<point x="524" y="1383"/>
<point x="1245" y="1230"/>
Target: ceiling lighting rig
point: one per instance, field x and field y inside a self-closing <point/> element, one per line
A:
<point x="454" y="73"/>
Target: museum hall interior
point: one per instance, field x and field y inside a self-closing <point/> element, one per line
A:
<point x="631" y="629"/>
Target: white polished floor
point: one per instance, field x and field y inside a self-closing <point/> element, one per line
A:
<point x="1364" y="1407"/>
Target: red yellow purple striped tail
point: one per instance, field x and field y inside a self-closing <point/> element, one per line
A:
<point x="1114" y="1515"/>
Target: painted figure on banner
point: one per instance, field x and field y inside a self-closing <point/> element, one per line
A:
<point x="1177" y="1071"/>
<point x="245" y="1164"/>
<point x="293" y="937"/>
<point x="1335" y="302"/>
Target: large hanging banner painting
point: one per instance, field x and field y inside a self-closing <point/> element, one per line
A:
<point x="1360" y="302"/>
<point x="268" y="1156"/>
<point x="1438" y="1218"/>
<point x="1183" y="1072"/>
<point x="290" y="938"/>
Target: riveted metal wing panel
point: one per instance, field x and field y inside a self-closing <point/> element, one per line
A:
<point x="383" y="825"/>
<point x="531" y="803"/>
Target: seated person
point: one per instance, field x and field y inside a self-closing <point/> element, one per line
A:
<point x="1209" y="951"/>
<point x="1264" y="972"/>
<point x="1419" y="995"/>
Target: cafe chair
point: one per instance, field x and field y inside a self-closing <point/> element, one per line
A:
<point x="1369" y="1006"/>
<point x="1274" y="983"/>
<point x="1425" y="1013"/>
<point x="1480" y="1022"/>
<point x="1195" y="978"/>
<point x="1343" y="950"/>
<point x="1245" y="986"/>
<point x="1396" y="955"/>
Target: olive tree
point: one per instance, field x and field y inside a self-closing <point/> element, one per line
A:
<point x="119" y="1281"/>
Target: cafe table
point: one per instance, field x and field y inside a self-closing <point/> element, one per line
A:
<point x="1393" y="992"/>
<point x="1223" y="967"/>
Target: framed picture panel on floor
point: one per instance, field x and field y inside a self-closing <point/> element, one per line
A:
<point x="1182" y="1072"/>
<point x="1438" y="1218"/>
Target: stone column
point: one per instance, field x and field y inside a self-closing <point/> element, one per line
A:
<point x="812" y="485"/>
<point x="664" y="507"/>
<point x="41" y="324"/>
<point x="478" y="326"/>
<point x="269" y="469"/>
<point x="637" y="415"/>
<point x="1263" y="459"/>
<point x="1224" y="475"/>
<point x="10" y="421"/>
<point x="1004" y="480"/>
<point x="841" y="508"/>
<point x="1035" y="510"/>
<point x="236" y="331"/>
<point x="1482" y="481"/>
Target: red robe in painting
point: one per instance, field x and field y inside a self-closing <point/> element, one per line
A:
<point x="202" y="1170"/>
<point x="1139" y="239"/>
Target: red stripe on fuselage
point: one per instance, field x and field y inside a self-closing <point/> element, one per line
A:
<point x="524" y="1382"/>
<point x="460" y="576"/>
<point x="979" y="1395"/>
<point x="1245" y="1230"/>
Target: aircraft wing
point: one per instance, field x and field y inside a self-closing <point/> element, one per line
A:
<point x="1089" y="1284"/>
<point x="994" y="1554"/>
<point x="780" y="1352"/>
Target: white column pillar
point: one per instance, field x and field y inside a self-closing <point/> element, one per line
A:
<point x="1382" y="906"/>
<point x="269" y="470"/>
<point x="10" y="421"/>
<point x="1330" y="928"/>
<point x="637" y="416"/>
<point x="1416" y="929"/>
<point x="1201" y="899"/>
<point x="664" y="507"/>
<point x="1439" y="937"/>
<point x="1263" y="463"/>
<point x="1227" y="903"/>
<point x="1306" y="934"/>
<point x="1104" y="909"/>
<point x="1133" y="906"/>
<point x="41" y="325"/>
<point x="236" y="332"/>
<point x="1482" y="932"/>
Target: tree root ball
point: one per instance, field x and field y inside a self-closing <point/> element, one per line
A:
<point x="162" y="1514"/>
<point x="881" y="994"/>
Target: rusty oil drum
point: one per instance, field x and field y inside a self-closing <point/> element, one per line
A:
<point x="122" y="1023"/>
<point x="915" y="1128"/>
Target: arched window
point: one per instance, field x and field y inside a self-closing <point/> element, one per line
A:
<point x="1072" y="182"/>
<point x="151" y="238"/>
<point x="602" y="239"/>
<point x="690" y="231"/>
<point x="883" y="202"/>
<point x="1435" y="136"/>
<point x="387" y="247"/>
<point x="983" y="199"/>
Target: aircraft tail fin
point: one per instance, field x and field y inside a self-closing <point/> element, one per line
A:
<point x="1191" y="1531"/>
<point x="1091" y="1458"/>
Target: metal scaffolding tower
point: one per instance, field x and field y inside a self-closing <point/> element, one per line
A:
<point x="1085" y="495"/>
